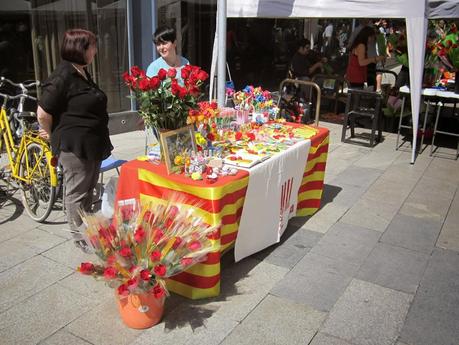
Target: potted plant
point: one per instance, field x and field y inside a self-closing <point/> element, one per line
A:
<point x="143" y="246"/>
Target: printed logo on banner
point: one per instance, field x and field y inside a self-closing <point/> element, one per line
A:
<point x="286" y="195"/>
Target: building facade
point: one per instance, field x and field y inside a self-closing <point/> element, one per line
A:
<point x="31" y="33"/>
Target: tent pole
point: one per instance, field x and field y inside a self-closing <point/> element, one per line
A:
<point x="221" y="58"/>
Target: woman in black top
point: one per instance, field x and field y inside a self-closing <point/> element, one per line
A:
<point x="72" y="112"/>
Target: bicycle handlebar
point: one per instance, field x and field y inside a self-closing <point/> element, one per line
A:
<point x="21" y="95"/>
<point x="21" y="85"/>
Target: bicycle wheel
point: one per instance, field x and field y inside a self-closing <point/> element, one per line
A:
<point x="38" y="196"/>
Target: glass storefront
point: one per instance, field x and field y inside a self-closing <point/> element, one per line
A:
<point x="31" y="35"/>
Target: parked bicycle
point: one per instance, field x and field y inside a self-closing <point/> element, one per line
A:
<point x="31" y="166"/>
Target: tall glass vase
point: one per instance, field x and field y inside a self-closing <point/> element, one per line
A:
<point x="152" y="143"/>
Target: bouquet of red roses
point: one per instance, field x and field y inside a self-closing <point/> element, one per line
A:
<point x="146" y="244"/>
<point x="163" y="101"/>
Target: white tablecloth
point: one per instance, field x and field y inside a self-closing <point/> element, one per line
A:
<point x="271" y="199"/>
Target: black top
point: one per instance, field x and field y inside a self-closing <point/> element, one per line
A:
<point x="301" y="64"/>
<point x="79" y="111"/>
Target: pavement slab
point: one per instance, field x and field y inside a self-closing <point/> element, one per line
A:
<point x="30" y="322"/>
<point x="102" y="325"/>
<point x="433" y="317"/>
<point x="347" y="242"/>
<point x="326" y="339"/>
<point x="449" y="235"/>
<point x="368" y="314"/>
<point x="188" y="326"/>
<point x="63" y="337"/>
<point x="243" y="285"/>
<point x="412" y="233"/>
<point x="277" y="321"/>
<point x="357" y="176"/>
<point x="69" y="255"/>
<point x="290" y="250"/>
<point x="20" y="248"/>
<point x="24" y="280"/>
<point x="366" y="214"/>
<point x="394" y="267"/>
<point x="324" y="219"/>
<point x="317" y="281"/>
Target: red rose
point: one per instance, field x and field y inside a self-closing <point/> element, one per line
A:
<point x="86" y="268"/>
<point x="123" y="290"/>
<point x="110" y="273"/>
<point x="145" y="275"/>
<point x="154" y="83"/>
<point x="139" y="234"/>
<point x="182" y="92"/>
<point x="194" y="245"/>
<point x="155" y="255"/>
<point x="162" y="74"/>
<point x="186" y="261"/>
<point x="172" y="72"/>
<point x="132" y="283"/>
<point x="125" y="252"/>
<point x="202" y="75"/>
<point x="148" y="216"/>
<point x="238" y="135"/>
<point x="144" y="84"/>
<point x="158" y="291"/>
<point x="160" y="270"/>
<point x="169" y="222"/>
<point x="210" y="136"/>
<point x="111" y="260"/>
<point x="175" y="88"/>
<point x="135" y="71"/>
<point x="251" y="136"/>
<point x="157" y="236"/>
<point x="185" y="73"/>
<point x="177" y="242"/>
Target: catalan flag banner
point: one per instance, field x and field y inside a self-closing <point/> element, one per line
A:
<point x="218" y="203"/>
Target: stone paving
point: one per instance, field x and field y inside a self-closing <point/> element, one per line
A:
<point x="377" y="264"/>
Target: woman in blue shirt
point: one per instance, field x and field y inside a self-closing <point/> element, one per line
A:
<point x="165" y="39"/>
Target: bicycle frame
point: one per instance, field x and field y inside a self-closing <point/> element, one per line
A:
<point x="15" y="152"/>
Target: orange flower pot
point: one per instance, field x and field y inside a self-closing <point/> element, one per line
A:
<point x="140" y="311"/>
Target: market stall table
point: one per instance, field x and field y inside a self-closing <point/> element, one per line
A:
<point x="220" y="203"/>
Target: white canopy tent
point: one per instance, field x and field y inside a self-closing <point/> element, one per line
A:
<point x="414" y="11"/>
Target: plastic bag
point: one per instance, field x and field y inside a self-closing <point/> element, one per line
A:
<point x="108" y="198"/>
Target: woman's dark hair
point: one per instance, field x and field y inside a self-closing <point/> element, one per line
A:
<point x="164" y="34"/>
<point x="303" y="42"/>
<point x="362" y="37"/>
<point x="75" y="44"/>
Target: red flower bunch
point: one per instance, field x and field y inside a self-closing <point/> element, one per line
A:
<point x="164" y="101"/>
<point x="147" y="244"/>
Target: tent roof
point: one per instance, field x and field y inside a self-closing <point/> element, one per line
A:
<point x="443" y="9"/>
<point x="325" y="8"/>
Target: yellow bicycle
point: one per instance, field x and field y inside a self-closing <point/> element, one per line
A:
<point x="31" y="166"/>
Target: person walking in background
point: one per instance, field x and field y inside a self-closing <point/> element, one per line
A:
<point x="356" y="73"/>
<point x="72" y="111"/>
<point x="165" y="39"/>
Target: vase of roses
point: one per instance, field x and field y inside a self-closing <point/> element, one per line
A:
<point x="163" y="100"/>
<point x="143" y="246"/>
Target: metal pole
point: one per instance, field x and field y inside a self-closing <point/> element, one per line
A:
<point x="221" y="63"/>
<point x="130" y="37"/>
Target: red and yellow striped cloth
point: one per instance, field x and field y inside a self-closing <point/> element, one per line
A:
<point x="219" y="203"/>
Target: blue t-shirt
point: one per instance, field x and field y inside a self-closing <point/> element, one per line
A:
<point x="159" y="63"/>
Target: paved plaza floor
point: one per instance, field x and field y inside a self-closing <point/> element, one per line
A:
<point x="378" y="264"/>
